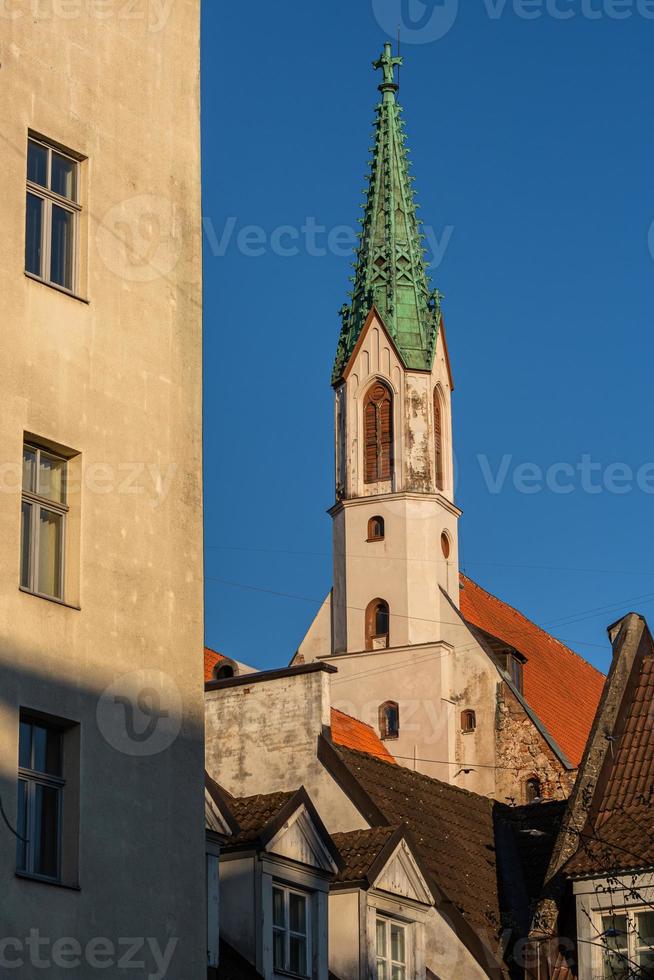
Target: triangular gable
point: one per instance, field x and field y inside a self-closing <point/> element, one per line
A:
<point x="401" y="876"/>
<point x="300" y="840"/>
<point x="214" y="819"/>
<point x="373" y="316"/>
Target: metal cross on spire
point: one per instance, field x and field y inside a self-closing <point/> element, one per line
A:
<point x="388" y="63"/>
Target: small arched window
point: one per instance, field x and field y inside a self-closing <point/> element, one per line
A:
<point x="377" y="625"/>
<point x="389" y="719"/>
<point x="438" y="440"/>
<point x="378" y="434"/>
<point x="533" y="790"/>
<point x="376" y="529"/>
<point x="468" y="721"/>
<point x="223" y="672"/>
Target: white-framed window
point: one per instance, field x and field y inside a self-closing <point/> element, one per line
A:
<point x="625" y="945"/>
<point x="40" y="791"/>
<point x="43" y="522"/>
<point x="291" y="931"/>
<point x="392" y="944"/>
<point x="52" y="215"/>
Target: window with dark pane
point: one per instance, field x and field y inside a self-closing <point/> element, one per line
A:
<point x="532" y="789"/>
<point x="389" y="720"/>
<point x="52" y="214"/>
<point x="377" y="624"/>
<point x="40" y="788"/>
<point x="376" y="529"/>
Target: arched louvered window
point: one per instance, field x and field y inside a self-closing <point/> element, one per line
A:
<point x="389" y="719"/>
<point x="378" y="619"/>
<point x="438" y="440"/>
<point x="376" y="529"/>
<point x="378" y="435"/>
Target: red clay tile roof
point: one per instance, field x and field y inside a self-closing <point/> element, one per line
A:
<point x="354" y="734"/>
<point x="632" y="777"/>
<point x="559" y="686"/>
<point x="211" y="658"/>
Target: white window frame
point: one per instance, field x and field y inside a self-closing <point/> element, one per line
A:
<point x="306" y="896"/>
<point x="38" y="503"/>
<point x="50" y="197"/>
<point x="34" y="778"/>
<point x="389" y="922"/>
<point x="632" y="947"/>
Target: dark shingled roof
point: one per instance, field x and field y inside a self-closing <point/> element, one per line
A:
<point x="624" y="842"/>
<point x="453" y="831"/>
<point x="254" y="813"/>
<point x="360" y="849"/>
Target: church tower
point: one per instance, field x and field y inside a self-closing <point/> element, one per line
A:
<point x="395" y="520"/>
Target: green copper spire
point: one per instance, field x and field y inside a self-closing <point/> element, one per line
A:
<point x="390" y="268"/>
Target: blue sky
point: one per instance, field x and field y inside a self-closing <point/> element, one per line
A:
<point x="532" y="142"/>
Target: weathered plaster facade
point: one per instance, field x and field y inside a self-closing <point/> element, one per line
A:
<point x="112" y="377"/>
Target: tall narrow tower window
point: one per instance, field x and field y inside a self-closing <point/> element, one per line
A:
<point x="377" y="625"/>
<point x="438" y="440"/>
<point x="378" y="422"/>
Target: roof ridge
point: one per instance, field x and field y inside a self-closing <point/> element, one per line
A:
<point x="531" y="622"/>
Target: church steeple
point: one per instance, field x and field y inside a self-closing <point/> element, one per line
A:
<point x="390" y="269"/>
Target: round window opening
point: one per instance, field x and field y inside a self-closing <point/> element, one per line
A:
<point x="445" y="545"/>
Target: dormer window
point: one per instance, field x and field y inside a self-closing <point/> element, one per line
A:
<point x="377" y="625"/>
<point x="391" y="947"/>
<point x="468" y="721"/>
<point x="389" y="720"/>
<point x="516" y="672"/>
<point x="376" y="529"/>
<point x="290" y="931"/>
<point x="224" y="670"/>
